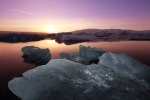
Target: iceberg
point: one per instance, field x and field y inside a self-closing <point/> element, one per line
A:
<point x="64" y="55"/>
<point x="36" y="55"/>
<point x="90" y="53"/>
<point x="86" y="55"/>
<point x="76" y="57"/>
<point x="126" y="65"/>
<point x="62" y="79"/>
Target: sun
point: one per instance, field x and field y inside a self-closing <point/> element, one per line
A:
<point x="50" y="30"/>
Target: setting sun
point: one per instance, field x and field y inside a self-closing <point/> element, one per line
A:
<point x="50" y="30"/>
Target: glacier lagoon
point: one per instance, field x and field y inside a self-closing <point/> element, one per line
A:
<point x="12" y="65"/>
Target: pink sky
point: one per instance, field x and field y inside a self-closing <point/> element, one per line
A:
<point x="70" y="15"/>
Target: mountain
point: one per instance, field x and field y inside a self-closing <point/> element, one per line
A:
<point x="116" y="31"/>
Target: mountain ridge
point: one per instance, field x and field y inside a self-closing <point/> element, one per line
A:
<point x="117" y="31"/>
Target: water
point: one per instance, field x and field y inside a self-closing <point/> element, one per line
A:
<point x="12" y="64"/>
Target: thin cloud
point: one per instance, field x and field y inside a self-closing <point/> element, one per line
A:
<point x="19" y="11"/>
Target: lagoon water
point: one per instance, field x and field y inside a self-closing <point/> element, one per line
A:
<point x="12" y="64"/>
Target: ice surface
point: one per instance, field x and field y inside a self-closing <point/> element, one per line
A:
<point x="76" y="57"/>
<point x="62" y="79"/>
<point x="126" y="65"/>
<point x="90" y="53"/>
<point x="64" y="55"/>
<point x="36" y="55"/>
<point x="86" y="55"/>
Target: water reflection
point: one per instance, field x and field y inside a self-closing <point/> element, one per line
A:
<point x="12" y="65"/>
<point x="11" y="61"/>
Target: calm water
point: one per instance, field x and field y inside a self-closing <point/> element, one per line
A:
<point x="12" y="65"/>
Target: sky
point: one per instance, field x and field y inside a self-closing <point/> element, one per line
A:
<point x="70" y="15"/>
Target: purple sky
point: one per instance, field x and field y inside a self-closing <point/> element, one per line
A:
<point x="69" y="15"/>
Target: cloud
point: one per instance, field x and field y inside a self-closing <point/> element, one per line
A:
<point x="19" y="11"/>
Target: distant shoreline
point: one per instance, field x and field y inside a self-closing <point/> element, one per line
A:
<point x="23" y="37"/>
<point x="85" y="35"/>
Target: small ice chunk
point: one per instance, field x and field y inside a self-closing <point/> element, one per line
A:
<point x="90" y="53"/>
<point x="36" y="55"/>
<point x="76" y="57"/>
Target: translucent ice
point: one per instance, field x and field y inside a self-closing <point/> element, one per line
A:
<point x="126" y="65"/>
<point x="90" y="53"/>
<point x="86" y="55"/>
<point x="62" y="79"/>
<point x="76" y="57"/>
<point x="36" y="55"/>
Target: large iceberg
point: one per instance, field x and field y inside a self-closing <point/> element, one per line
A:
<point x="62" y="79"/>
<point x="36" y="55"/>
<point x="126" y="65"/>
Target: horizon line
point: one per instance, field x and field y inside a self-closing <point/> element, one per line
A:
<point x="68" y="31"/>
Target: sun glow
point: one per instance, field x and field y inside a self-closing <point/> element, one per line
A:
<point x="50" y="30"/>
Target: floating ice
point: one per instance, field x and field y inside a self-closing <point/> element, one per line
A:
<point x="90" y="53"/>
<point x="36" y="55"/>
<point x="76" y="57"/>
<point x="86" y="55"/>
<point x="62" y="79"/>
<point x="126" y="65"/>
<point x="64" y="55"/>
